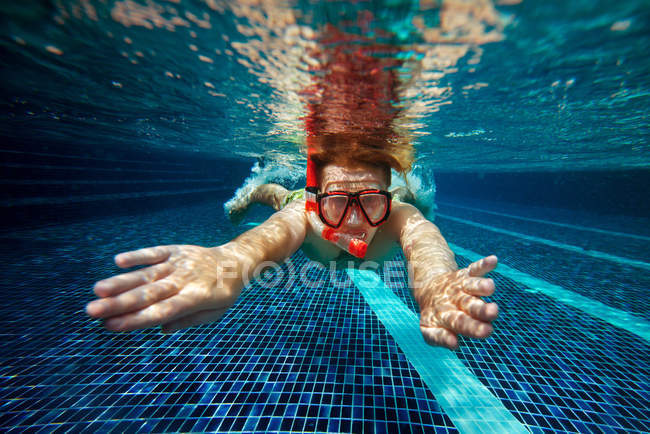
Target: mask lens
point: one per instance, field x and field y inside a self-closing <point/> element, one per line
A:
<point x="375" y="206"/>
<point x="333" y="207"/>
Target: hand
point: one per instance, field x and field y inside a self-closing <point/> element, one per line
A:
<point x="451" y="305"/>
<point x="184" y="286"/>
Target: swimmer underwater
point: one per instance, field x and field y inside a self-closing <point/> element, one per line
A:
<point x="190" y="285"/>
<point x="346" y="214"/>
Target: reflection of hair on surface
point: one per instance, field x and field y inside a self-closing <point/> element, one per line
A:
<point x="352" y="104"/>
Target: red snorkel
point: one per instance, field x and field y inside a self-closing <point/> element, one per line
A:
<point x="355" y="246"/>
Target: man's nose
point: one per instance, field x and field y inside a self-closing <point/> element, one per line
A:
<point x="354" y="216"/>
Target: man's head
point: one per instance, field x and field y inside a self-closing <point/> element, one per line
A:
<point x="335" y="177"/>
<point x="351" y="163"/>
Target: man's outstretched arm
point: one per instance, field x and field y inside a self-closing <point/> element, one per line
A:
<point x="449" y="298"/>
<point x="187" y="285"/>
<point x="274" y="240"/>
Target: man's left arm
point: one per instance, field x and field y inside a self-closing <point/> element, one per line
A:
<point x="449" y="298"/>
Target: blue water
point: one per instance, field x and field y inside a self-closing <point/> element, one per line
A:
<point x="116" y="135"/>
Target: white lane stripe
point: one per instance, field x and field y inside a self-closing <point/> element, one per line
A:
<point x="467" y="402"/>
<point x="574" y="249"/>
<point x="103" y="181"/>
<point x="564" y="225"/>
<point x="616" y="317"/>
<point x="78" y="157"/>
<point x="94" y="169"/>
<point x="96" y="197"/>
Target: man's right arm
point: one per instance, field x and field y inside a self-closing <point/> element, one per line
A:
<point x="272" y="241"/>
<point x="186" y="285"/>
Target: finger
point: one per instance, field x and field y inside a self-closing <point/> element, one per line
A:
<point x="483" y="266"/>
<point x="479" y="286"/>
<point x="203" y="317"/>
<point x="167" y="310"/>
<point x="461" y="323"/>
<point x="148" y="256"/>
<point x="123" y="282"/>
<point x="133" y="300"/>
<point x="480" y="310"/>
<point x="440" y="337"/>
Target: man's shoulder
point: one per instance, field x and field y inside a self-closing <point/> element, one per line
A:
<point x="401" y="214"/>
<point x="295" y="209"/>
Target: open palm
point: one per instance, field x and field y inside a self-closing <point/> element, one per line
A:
<point x="451" y="305"/>
<point x="182" y="286"/>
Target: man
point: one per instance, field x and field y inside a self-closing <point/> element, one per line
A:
<point x="345" y="212"/>
<point x="190" y="285"/>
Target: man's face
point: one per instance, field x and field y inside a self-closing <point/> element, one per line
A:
<point x="337" y="178"/>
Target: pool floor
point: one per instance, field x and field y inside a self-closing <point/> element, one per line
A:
<point x="570" y="349"/>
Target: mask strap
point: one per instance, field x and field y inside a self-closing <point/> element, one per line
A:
<point x="311" y="189"/>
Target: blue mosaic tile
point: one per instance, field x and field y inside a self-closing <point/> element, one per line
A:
<point x="613" y="284"/>
<point x="294" y="357"/>
<point x="553" y="366"/>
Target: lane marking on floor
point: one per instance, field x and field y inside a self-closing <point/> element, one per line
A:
<point x="570" y="248"/>
<point x="548" y="222"/>
<point x="616" y="317"/>
<point x="467" y="402"/>
<point x="99" y="197"/>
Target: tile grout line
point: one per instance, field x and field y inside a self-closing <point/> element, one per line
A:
<point x="617" y="317"/>
<point x="574" y="249"/>
<point x="564" y="225"/>
<point x="456" y="389"/>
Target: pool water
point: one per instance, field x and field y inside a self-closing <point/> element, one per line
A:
<point x="131" y="124"/>
<point x="301" y="357"/>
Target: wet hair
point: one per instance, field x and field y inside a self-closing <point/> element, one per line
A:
<point x="350" y="150"/>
